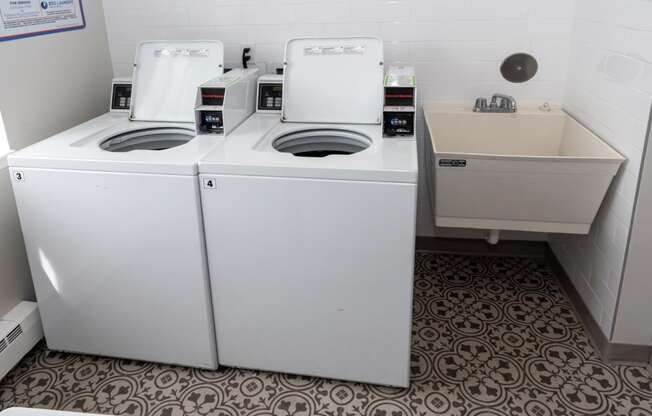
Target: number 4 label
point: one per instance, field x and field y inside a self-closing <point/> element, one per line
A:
<point x="209" y="183"/>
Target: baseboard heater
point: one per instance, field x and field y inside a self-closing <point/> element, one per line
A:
<point x="20" y="330"/>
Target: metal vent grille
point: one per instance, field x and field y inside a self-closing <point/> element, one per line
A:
<point x="3" y="345"/>
<point x="14" y="334"/>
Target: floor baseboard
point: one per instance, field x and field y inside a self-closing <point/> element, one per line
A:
<point x="481" y="247"/>
<point x="613" y="352"/>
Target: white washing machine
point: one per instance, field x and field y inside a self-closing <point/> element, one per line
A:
<point x="111" y="216"/>
<point x="310" y="224"/>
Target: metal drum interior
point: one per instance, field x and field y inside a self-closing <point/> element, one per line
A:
<point x="154" y="138"/>
<point x="321" y="142"/>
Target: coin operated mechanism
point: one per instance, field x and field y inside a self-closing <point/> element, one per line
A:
<point x="224" y="102"/>
<point x="399" y="111"/>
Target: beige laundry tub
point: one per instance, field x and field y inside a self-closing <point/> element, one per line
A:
<point x="533" y="170"/>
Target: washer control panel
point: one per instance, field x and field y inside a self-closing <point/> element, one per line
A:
<point x="120" y="95"/>
<point x="224" y="102"/>
<point x="400" y="102"/>
<point x="270" y="97"/>
<point x="270" y="94"/>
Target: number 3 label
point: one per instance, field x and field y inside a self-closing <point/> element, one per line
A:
<point x="19" y="176"/>
<point x="209" y="183"/>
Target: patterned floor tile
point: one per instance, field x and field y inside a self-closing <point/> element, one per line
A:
<point x="491" y="336"/>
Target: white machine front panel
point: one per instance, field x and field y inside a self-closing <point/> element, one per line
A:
<point x="167" y="75"/>
<point x="343" y="251"/>
<point x="333" y="80"/>
<point x="118" y="264"/>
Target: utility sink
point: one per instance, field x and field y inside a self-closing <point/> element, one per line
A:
<point x="533" y="170"/>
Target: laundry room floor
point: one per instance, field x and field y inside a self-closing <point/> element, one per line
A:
<point x="491" y="336"/>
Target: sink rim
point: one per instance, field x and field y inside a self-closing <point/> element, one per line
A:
<point x="430" y="110"/>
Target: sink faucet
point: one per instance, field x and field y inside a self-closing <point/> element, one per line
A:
<point x="500" y="103"/>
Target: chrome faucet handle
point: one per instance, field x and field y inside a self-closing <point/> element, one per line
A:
<point x="507" y="102"/>
<point x="480" y="105"/>
<point x="513" y="106"/>
<point x="493" y="104"/>
<point x="499" y="103"/>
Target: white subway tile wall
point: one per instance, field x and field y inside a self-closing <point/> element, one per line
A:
<point x="609" y="89"/>
<point x="456" y="45"/>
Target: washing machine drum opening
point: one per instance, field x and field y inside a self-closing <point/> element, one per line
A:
<point x="157" y="138"/>
<point x="321" y="142"/>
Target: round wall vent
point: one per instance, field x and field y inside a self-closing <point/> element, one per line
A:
<point x="520" y="67"/>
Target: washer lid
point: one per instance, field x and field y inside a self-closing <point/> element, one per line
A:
<point x="167" y="75"/>
<point x="333" y="80"/>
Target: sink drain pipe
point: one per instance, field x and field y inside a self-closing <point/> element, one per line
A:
<point x="493" y="236"/>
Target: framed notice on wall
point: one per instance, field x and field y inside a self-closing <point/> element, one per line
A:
<point x="24" y="18"/>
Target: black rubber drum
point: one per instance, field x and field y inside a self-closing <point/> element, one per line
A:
<point x="321" y="142"/>
<point x="153" y="138"/>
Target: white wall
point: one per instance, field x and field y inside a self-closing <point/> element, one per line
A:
<point x="47" y="84"/>
<point x="633" y="325"/>
<point x="53" y="82"/>
<point x="610" y="90"/>
<point x="455" y="45"/>
<point x="15" y="282"/>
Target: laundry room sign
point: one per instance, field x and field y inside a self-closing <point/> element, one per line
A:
<point x="25" y="18"/>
